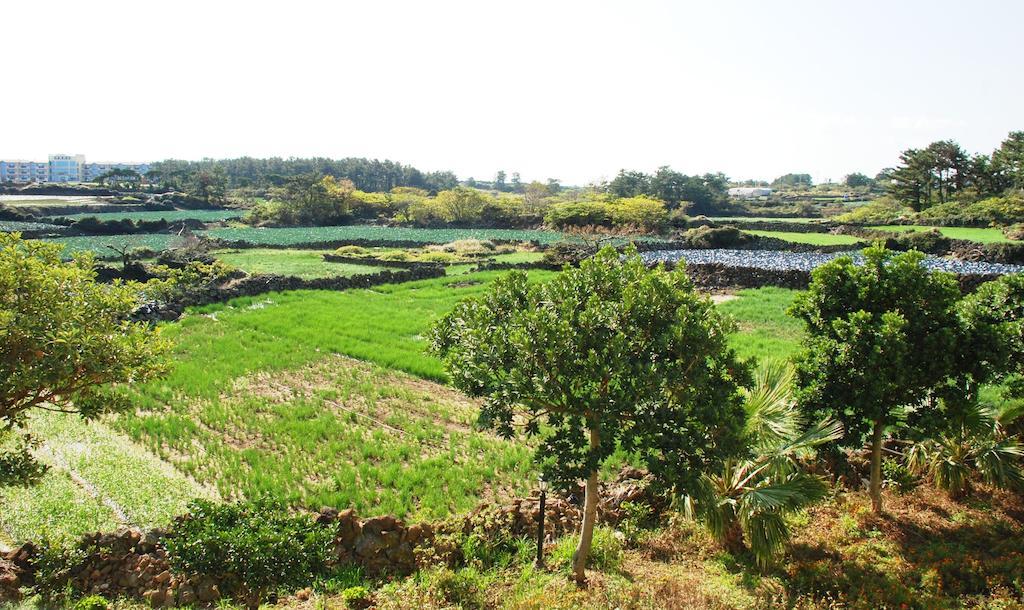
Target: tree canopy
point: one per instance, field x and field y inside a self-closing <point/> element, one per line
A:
<point x="606" y="356"/>
<point x="880" y="337"/>
<point x="64" y="340"/>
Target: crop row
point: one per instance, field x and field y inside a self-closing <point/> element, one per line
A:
<point x="168" y="215"/>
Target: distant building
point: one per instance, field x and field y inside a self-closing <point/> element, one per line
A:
<point x="61" y="168"/>
<point x="750" y="192"/>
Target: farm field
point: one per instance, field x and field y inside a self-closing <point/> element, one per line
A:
<point x="307" y="264"/>
<point x="98" y="243"/>
<point x="98" y="479"/>
<point x="763" y="219"/>
<point x="168" y="215"/>
<point x="312" y="235"/>
<point x="21" y="225"/>
<point x="984" y="235"/>
<point x="265" y="396"/>
<point x="814" y="239"/>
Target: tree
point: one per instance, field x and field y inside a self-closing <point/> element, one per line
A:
<point x="747" y="502"/>
<point x="517" y="183"/>
<point x="911" y="181"/>
<point x="461" y="204"/>
<point x="610" y="355"/>
<point x="64" y="341"/>
<point x="879" y="340"/>
<point x="499" y="181"/>
<point x="857" y="179"/>
<point x="803" y="180"/>
<point x="630" y="184"/>
<point x="1008" y="160"/>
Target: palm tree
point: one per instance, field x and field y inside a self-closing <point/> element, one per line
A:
<point x="976" y="444"/>
<point x="746" y="504"/>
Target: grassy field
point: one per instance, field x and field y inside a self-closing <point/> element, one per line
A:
<point x="307" y="264"/>
<point x="168" y="215"/>
<point x="986" y="235"/>
<point x="815" y="239"/>
<point x="765" y="331"/>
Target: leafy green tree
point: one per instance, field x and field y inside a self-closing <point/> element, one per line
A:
<point x="611" y="355"/>
<point x="857" y="179"/>
<point x="461" y="204"/>
<point x="879" y="339"/>
<point x="803" y="180"/>
<point x="1008" y="160"/>
<point x="748" y="500"/>
<point x="630" y="184"/>
<point x="65" y="339"/>
<point x="499" y="181"/>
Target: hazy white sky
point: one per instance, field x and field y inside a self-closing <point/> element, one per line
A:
<point x="572" y="90"/>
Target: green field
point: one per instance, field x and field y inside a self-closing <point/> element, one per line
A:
<point x="986" y="235"/>
<point x="168" y="215"/>
<point x="765" y="331"/>
<point x="814" y="239"/>
<point x="307" y="264"/>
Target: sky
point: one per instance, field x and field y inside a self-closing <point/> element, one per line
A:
<point x="553" y="89"/>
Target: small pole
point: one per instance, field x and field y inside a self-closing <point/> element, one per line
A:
<point x="540" y="522"/>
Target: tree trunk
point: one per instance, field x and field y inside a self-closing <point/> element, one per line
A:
<point x="876" y="468"/>
<point x="579" y="558"/>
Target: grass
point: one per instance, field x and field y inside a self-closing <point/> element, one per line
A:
<point x="168" y="215"/>
<point x="307" y="264"/>
<point x="765" y="329"/>
<point x="814" y="239"/>
<point x="987" y="235"/>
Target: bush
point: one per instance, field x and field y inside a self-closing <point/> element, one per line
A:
<point x="714" y="237"/>
<point x="642" y="212"/>
<point x="179" y="285"/>
<point x="994" y="210"/>
<point x="92" y="602"/>
<point x="356" y="597"/>
<point x="353" y="251"/>
<point x="884" y="210"/>
<point x="250" y="547"/>
<point x="1014" y="232"/>
<point x="579" y="214"/>
<point x="896" y="475"/>
<point x="931" y="242"/>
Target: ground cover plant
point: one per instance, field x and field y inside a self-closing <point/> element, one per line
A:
<point x="307" y="264"/>
<point x="984" y="235"/>
<point x="24" y="225"/>
<point x="814" y="239"/>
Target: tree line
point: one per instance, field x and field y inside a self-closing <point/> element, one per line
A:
<point x="211" y="177"/>
<point x="942" y="172"/>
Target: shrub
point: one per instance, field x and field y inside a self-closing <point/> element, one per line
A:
<point x="251" y="547"/>
<point x="179" y="285"/>
<point x="356" y="597"/>
<point x="579" y="214"/>
<point x="994" y="210"/>
<point x="1014" y="232"/>
<point x="884" y="210"/>
<point x="354" y="251"/>
<point x="643" y="212"/>
<point x="92" y="602"/>
<point x="714" y="237"/>
<point x="896" y="475"/>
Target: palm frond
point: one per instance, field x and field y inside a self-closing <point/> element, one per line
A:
<point x="772" y="418"/>
<point x="766" y="534"/>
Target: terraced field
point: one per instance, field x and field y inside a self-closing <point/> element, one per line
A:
<point x="98" y="243"/>
<point x="19" y="225"/>
<point x="814" y="239"/>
